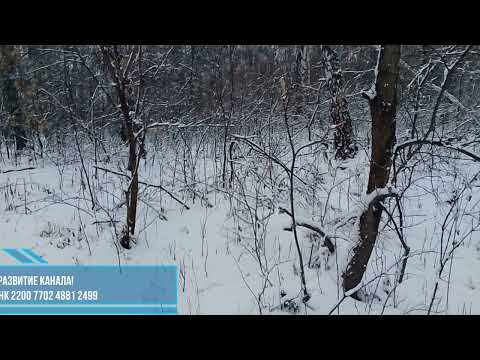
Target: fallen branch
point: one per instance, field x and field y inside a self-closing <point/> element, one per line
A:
<point x="105" y="222"/>
<point x="327" y="238"/>
<point x="15" y="170"/>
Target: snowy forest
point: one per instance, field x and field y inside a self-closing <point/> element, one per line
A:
<point x="280" y="179"/>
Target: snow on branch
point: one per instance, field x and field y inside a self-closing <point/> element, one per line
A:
<point x="313" y="227"/>
<point x="446" y="143"/>
<point x="371" y="199"/>
<point x="379" y="195"/>
<point x="353" y="290"/>
<point x="437" y="88"/>
<point x="178" y="125"/>
<point x="259" y="149"/>
<point x="305" y="223"/>
<point x="371" y="93"/>
<point x="182" y="125"/>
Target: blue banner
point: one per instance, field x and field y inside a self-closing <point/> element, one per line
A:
<point x="92" y="289"/>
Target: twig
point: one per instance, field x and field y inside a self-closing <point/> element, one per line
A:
<point x="406" y="248"/>
<point x="328" y="240"/>
<point x="146" y="184"/>
<point x="15" y="170"/>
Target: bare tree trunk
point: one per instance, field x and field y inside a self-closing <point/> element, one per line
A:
<point x="301" y="74"/>
<point x="227" y="118"/>
<point x="112" y="60"/>
<point x="8" y="68"/>
<point x="305" y="65"/>
<point x="382" y="108"/>
<point x="343" y="138"/>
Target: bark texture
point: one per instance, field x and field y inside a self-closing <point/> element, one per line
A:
<point x="382" y="109"/>
<point x="343" y="136"/>
<point x="11" y="101"/>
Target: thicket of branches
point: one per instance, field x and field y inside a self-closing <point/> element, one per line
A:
<point x="275" y="104"/>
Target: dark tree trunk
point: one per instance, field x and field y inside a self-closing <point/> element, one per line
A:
<point x="132" y="192"/>
<point x="122" y="82"/>
<point x="382" y="109"/>
<point x="301" y="75"/>
<point x="343" y="137"/>
<point x="10" y="95"/>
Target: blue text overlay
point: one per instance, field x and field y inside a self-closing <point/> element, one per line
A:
<point x="92" y="289"/>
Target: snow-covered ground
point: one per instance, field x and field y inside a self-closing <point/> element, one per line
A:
<point x="238" y="259"/>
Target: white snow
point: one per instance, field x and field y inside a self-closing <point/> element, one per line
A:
<point x="214" y="247"/>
